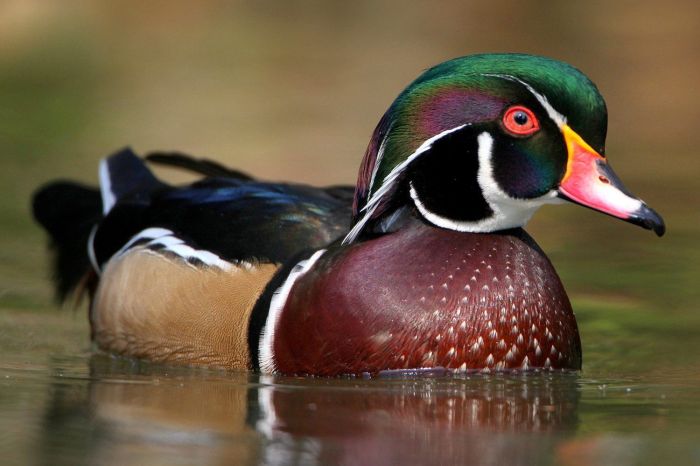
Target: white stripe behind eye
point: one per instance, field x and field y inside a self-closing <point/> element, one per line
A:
<point x="556" y="117"/>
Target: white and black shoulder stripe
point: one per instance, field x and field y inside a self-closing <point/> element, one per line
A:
<point x="262" y="332"/>
<point x="165" y="242"/>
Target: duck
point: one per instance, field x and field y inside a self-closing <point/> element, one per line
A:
<point x="423" y="265"/>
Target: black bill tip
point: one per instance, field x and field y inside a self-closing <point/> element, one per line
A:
<point x="647" y="218"/>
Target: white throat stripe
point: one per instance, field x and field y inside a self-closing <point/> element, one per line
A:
<point x="507" y="211"/>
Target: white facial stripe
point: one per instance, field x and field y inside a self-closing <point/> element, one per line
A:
<point x="436" y="219"/>
<point x="108" y="198"/>
<point x="389" y="181"/>
<point x="279" y="298"/>
<point x="556" y="117"/>
<point x="507" y="212"/>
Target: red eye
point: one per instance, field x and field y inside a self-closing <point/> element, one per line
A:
<point x="520" y="121"/>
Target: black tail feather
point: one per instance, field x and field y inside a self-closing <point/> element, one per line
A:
<point x="125" y="177"/>
<point x="202" y="166"/>
<point x="68" y="211"/>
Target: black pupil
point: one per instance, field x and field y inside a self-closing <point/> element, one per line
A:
<point x="520" y="118"/>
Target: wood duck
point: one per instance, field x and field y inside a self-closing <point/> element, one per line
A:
<point x="426" y="266"/>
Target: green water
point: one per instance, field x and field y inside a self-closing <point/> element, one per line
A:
<point x="99" y="410"/>
<point x="292" y="91"/>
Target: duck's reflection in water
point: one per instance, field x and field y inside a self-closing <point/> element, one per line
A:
<point x="478" y="419"/>
<point x="146" y="415"/>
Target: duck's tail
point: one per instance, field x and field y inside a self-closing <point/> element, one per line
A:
<point x="68" y="211"/>
<point x="71" y="212"/>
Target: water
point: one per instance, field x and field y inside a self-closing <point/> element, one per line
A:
<point x="103" y="410"/>
<point x="293" y="91"/>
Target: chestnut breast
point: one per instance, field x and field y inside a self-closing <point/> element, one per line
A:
<point x="428" y="297"/>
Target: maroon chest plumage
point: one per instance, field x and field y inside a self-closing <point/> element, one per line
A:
<point x="428" y="297"/>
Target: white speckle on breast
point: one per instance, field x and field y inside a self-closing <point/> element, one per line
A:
<point x="525" y="364"/>
<point x="381" y="338"/>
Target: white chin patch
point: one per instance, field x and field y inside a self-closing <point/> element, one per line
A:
<point x="507" y="211"/>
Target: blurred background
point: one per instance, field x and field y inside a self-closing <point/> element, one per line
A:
<point x="292" y="91"/>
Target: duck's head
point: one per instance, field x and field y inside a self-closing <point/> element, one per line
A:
<point x="478" y="143"/>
